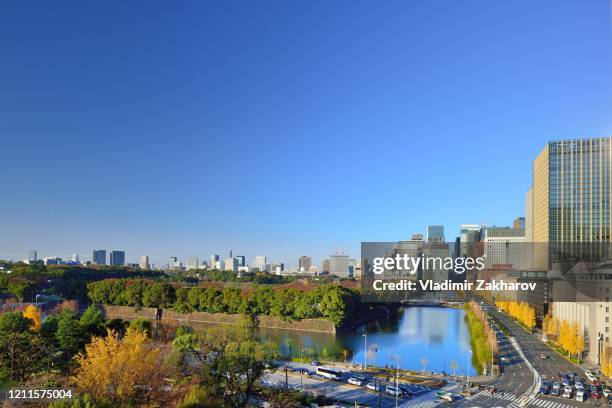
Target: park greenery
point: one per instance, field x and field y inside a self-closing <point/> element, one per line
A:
<point x="483" y="337"/>
<point x="331" y="302"/>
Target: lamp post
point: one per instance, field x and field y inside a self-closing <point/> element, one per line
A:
<point x="599" y="341"/>
<point x="301" y="366"/>
<point x="36" y="300"/>
<point x="397" y="380"/>
<point x="365" y="350"/>
<point x="468" y="371"/>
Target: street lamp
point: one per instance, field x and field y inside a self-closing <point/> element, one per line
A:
<point x="36" y="300"/>
<point x="301" y="366"/>
<point x="397" y="357"/>
<point x="599" y="341"/>
<point x="365" y="350"/>
<point x="468" y="371"/>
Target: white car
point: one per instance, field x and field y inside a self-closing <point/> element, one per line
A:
<point x="373" y="386"/>
<point x="392" y="390"/>
<point x="355" y="381"/>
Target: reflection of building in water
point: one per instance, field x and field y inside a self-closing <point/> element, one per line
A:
<point x="438" y="325"/>
<point x="583" y="298"/>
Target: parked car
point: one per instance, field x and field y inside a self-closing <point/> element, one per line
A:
<point x="567" y="392"/>
<point x="556" y="388"/>
<point x="543" y="356"/>
<point x="580" y="395"/>
<point x="355" y="381"/>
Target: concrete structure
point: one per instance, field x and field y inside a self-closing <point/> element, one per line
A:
<point x="231" y="264"/>
<point x="325" y="266"/>
<point x="214" y="259"/>
<point x="260" y="263"/>
<point x="304" y="263"/>
<point x="99" y="257"/>
<point x="192" y="263"/>
<point x="505" y="246"/>
<point x="435" y="233"/>
<point x="339" y="265"/>
<point x="144" y="262"/>
<point x="519" y="222"/>
<point x="117" y="258"/>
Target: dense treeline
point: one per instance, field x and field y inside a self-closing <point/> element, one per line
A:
<point x="68" y="281"/>
<point x="331" y="302"/>
<point x="483" y="338"/>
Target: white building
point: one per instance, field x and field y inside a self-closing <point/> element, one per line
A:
<point x="231" y="264"/>
<point x="260" y="263"/>
<point x="339" y="265"/>
<point x="505" y="246"/>
<point x="144" y="262"/>
<point x="192" y="263"/>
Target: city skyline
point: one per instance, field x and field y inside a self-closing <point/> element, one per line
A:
<point x="269" y="148"/>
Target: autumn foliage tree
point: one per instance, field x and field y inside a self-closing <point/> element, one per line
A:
<point x="32" y="313"/>
<point x="521" y="311"/>
<point x="126" y="372"/>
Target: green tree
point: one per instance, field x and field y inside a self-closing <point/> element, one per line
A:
<point x="92" y="321"/>
<point x="142" y="325"/>
<point x="159" y="294"/>
<point x="69" y="336"/>
<point x="21" y="352"/>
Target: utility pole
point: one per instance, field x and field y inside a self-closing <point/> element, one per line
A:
<point x="365" y="350"/>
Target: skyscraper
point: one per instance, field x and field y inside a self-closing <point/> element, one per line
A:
<point x="32" y="255"/>
<point x="339" y="265"/>
<point x="144" y="262"/>
<point x="571" y="196"/>
<point x="241" y="260"/>
<point x="519" y="222"/>
<point x="117" y="258"/>
<point x="192" y="263"/>
<point x="214" y="261"/>
<point x="260" y="263"/>
<point x="231" y="264"/>
<point x="435" y="233"/>
<point x="99" y="256"/>
<point x="304" y="263"/>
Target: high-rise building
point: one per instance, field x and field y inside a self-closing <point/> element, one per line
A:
<point x="435" y="233"/>
<point x="468" y="237"/>
<point x="519" y="222"/>
<point x="117" y="258"/>
<point x="572" y="197"/>
<point x="277" y="268"/>
<point x="529" y="227"/>
<point x="241" y="260"/>
<point x="505" y="246"/>
<point x="325" y="266"/>
<point x="304" y="263"/>
<point x="144" y="262"/>
<point x="214" y="261"/>
<point x="231" y="264"/>
<point x="32" y="255"/>
<point x="260" y="263"/>
<point x="99" y="256"/>
<point x="192" y="263"/>
<point x="339" y="265"/>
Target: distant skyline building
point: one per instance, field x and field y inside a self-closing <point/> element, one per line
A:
<point x="468" y="237"/>
<point x="144" y="262"/>
<point x="505" y="246"/>
<point x="435" y="233"/>
<point x="241" y="260"/>
<point x="325" y="266"/>
<point x="99" y="256"/>
<point x="117" y="258"/>
<point x="192" y="263"/>
<point x="32" y="255"/>
<point x="304" y="263"/>
<point x="519" y="222"/>
<point x="260" y="263"/>
<point x="214" y="261"/>
<point x="75" y="258"/>
<point x="339" y="265"/>
<point x="231" y="264"/>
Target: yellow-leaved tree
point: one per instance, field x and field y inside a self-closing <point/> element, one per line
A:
<point x="32" y="313"/>
<point x="122" y="372"/>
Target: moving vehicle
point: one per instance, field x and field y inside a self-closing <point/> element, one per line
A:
<point x="373" y="386"/>
<point x="355" y="381"/>
<point x="545" y="387"/>
<point x="331" y="373"/>
<point x="567" y="392"/>
<point x="448" y="396"/>
<point x="543" y="356"/>
<point x="556" y="389"/>
<point x="591" y="376"/>
<point x="580" y="395"/>
<point x="606" y="392"/>
<point x="393" y="390"/>
<point x="315" y="363"/>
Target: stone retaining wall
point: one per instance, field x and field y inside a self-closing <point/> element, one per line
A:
<point x="268" y="322"/>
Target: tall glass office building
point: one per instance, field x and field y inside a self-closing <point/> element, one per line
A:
<point x="571" y="199"/>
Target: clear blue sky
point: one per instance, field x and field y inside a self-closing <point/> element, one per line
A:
<point x="283" y="128"/>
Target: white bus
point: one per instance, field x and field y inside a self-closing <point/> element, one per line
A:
<point x="330" y="373"/>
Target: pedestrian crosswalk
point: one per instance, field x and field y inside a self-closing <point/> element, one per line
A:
<point x="547" y="403"/>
